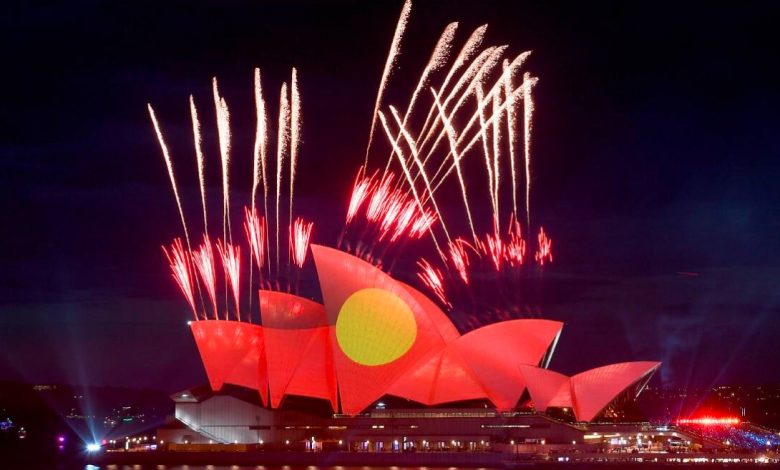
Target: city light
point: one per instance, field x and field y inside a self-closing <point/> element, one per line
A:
<point x="709" y="421"/>
<point x="93" y="447"/>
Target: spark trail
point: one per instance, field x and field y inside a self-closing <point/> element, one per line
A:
<point x="486" y="98"/>
<point x="460" y="258"/>
<point x="407" y="174"/>
<point x="231" y="262"/>
<point x="254" y="227"/>
<point x="496" y="159"/>
<point x="432" y="278"/>
<point x="260" y="155"/>
<point x="295" y="135"/>
<point x="361" y="189"/>
<point x="511" y="124"/>
<point x="197" y="141"/>
<point x="392" y="57"/>
<point x="528" y="110"/>
<point x="515" y="247"/>
<point x="420" y="166"/>
<point x="300" y="235"/>
<point x="179" y="261"/>
<point x="282" y="143"/>
<point x="466" y="53"/>
<point x="452" y="137"/>
<point x="544" y="248"/>
<point x="203" y="259"/>
<point x="438" y="59"/>
<point x="169" y="166"/>
<point x="223" y="131"/>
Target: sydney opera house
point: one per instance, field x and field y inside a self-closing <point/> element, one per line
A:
<point x="379" y="366"/>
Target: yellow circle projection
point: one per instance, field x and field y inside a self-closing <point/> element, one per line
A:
<point x="375" y="327"/>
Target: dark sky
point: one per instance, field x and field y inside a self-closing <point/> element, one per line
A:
<point x="656" y="153"/>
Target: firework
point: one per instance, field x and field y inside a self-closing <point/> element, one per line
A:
<point x="528" y="111"/>
<point x="423" y="223"/>
<point x="404" y="220"/>
<point x="483" y="99"/>
<point x="421" y="168"/>
<point x="179" y="261"/>
<point x="392" y="211"/>
<point x="169" y="166"/>
<point x="203" y="258"/>
<point x="474" y="107"/>
<point x="496" y="158"/>
<point x="282" y="143"/>
<point x="392" y="56"/>
<point x="437" y="60"/>
<point x="231" y="262"/>
<point x="223" y="131"/>
<point x="254" y="227"/>
<point x="511" y="123"/>
<point x="300" y="235"/>
<point x="514" y="252"/>
<point x="259" y="166"/>
<point x="452" y="137"/>
<point x="459" y="257"/>
<point x="379" y="197"/>
<point x="482" y="103"/>
<point x="432" y="279"/>
<point x="197" y="141"/>
<point x="483" y="127"/>
<point x="544" y="248"/>
<point x="295" y="133"/>
<point x="407" y="174"/>
<point x="466" y="79"/>
<point x="360" y="191"/>
<point x="493" y="247"/>
<point x="466" y="53"/>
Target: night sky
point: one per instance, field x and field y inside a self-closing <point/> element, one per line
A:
<point x="656" y="153"/>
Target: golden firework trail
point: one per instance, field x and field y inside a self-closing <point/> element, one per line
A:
<point x="413" y="150"/>
<point x="486" y="149"/>
<point x="511" y="122"/>
<point x="295" y="140"/>
<point x="466" y="78"/>
<point x="261" y="153"/>
<point x="513" y="66"/>
<point x="516" y="94"/>
<point x="491" y="61"/>
<point x="282" y="142"/>
<point x="392" y="57"/>
<point x="231" y="262"/>
<point x="438" y="59"/>
<point x="466" y="53"/>
<point x="169" y="166"/>
<point x="528" y="111"/>
<point x="178" y="259"/>
<point x="203" y="258"/>
<point x="261" y="144"/>
<point x="402" y="160"/>
<point x="223" y="131"/>
<point x="197" y="140"/>
<point x="496" y="159"/>
<point x="452" y="136"/>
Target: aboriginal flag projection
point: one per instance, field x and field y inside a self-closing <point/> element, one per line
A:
<point x="380" y="330"/>
<point x="376" y="336"/>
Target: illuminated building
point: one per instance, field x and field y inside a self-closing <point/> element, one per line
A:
<point x="378" y="365"/>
